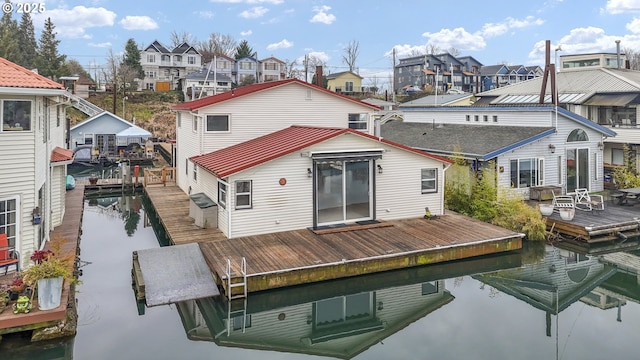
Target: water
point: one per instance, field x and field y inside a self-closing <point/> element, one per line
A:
<point x="501" y="307"/>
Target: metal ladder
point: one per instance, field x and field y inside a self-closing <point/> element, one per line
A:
<point x="233" y="314"/>
<point x="243" y="284"/>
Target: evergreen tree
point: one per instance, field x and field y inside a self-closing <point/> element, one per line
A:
<point x="244" y="50"/>
<point x="27" y="39"/>
<point x="132" y="58"/>
<point x="8" y="42"/>
<point x="50" y="63"/>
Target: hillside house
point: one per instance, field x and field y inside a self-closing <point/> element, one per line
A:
<point x="347" y="82"/>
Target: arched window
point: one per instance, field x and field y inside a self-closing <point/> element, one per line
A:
<point x="577" y="135"/>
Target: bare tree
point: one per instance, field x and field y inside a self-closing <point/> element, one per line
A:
<point x="453" y="51"/>
<point x="350" y="57"/>
<point x="178" y="38"/>
<point x="217" y="44"/>
<point x="633" y="57"/>
<point x="433" y="49"/>
<point x="292" y="70"/>
<point x="373" y="84"/>
<point x="110" y="73"/>
<point x="310" y="63"/>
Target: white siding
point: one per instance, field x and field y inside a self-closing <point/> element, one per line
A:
<point x="58" y="191"/>
<point x="290" y="207"/>
<point x="187" y="145"/>
<point x="505" y="118"/>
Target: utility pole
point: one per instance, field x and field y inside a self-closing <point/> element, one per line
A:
<point x="393" y="86"/>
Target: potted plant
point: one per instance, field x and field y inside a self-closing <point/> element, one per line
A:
<point x="93" y="178"/>
<point x="47" y="275"/>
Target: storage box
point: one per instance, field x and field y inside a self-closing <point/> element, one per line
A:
<point x="542" y="193"/>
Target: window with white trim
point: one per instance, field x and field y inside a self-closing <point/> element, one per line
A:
<point x="151" y="58"/>
<point x="195" y="172"/>
<point x="218" y="123"/>
<point x="186" y="166"/>
<point x="527" y="172"/>
<point x="191" y="60"/>
<point x="222" y="194"/>
<point x="243" y="194"/>
<point x="195" y="123"/>
<point x="179" y="118"/>
<point x="358" y="121"/>
<point x="9" y="219"/>
<point x="16" y="115"/>
<point x="429" y="180"/>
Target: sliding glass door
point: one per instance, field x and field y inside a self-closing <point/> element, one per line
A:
<point x="343" y="191"/>
<point x="577" y="169"/>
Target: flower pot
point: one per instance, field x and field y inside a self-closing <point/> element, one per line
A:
<point x="49" y="293"/>
<point x="546" y="209"/>
<point x="567" y="214"/>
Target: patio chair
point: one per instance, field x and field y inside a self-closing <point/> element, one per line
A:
<point x="563" y="202"/>
<point x="8" y="255"/>
<point x="587" y="202"/>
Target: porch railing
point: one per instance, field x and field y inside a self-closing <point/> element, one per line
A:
<point x="160" y="176"/>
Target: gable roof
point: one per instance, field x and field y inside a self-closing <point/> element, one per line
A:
<point x="255" y="88"/>
<point x="100" y="115"/>
<point x="245" y="155"/>
<point x="158" y="47"/>
<point x="338" y="74"/>
<point x="15" y="76"/>
<point x="271" y="58"/>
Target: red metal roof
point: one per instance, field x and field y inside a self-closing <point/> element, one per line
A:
<point x="233" y="159"/>
<point x="13" y="75"/>
<point x="254" y="88"/>
<point x="60" y="154"/>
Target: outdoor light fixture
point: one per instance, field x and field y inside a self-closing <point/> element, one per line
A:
<point x="380" y="305"/>
<point x="379" y="169"/>
<point x="309" y="173"/>
<point x="552" y="148"/>
<point x="600" y="145"/>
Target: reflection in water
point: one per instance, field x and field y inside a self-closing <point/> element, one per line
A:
<point x="126" y="207"/>
<point x="341" y="318"/>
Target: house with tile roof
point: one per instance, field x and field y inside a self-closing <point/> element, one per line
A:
<point x="33" y="157"/>
<point x="529" y="146"/>
<point x="315" y="177"/>
<point x="219" y="121"/>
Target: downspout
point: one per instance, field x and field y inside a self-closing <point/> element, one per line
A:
<point x="444" y="170"/>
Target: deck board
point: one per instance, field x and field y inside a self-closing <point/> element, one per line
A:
<point x="306" y="255"/>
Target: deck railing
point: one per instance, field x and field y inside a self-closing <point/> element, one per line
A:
<point x="160" y="176"/>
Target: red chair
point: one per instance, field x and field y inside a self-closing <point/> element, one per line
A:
<point x="8" y="255"/>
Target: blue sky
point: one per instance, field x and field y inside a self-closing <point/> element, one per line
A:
<point x="492" y="31"/>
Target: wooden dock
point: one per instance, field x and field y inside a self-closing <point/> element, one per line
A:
<point x="305" y="256"/>
<point x="615" y="222"/>
<point x="62" y="319"/>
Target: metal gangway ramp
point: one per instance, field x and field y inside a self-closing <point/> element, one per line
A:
<point x="172" y="274"/>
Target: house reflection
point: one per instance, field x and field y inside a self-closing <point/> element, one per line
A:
<point x="564" y="277"/>
<point x="339" y="319"/>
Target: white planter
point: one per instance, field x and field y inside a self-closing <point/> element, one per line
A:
<point x="567" y="214"/>
<point x="49" y="293"/>
<point x="546" y="209"/>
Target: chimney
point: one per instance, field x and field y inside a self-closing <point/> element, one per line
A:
<point x="618" y="53"/>
<point x="319" y="76"/>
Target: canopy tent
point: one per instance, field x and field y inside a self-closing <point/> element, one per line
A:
<point x="131" y="135"/>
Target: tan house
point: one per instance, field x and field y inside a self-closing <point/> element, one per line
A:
<point x="347" y="82"/>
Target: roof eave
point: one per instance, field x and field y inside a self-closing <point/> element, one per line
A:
<point x="31" y="91"/>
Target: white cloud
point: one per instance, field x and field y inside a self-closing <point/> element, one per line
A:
<point x="284" y="44"/>
<point x="496" y="29"/>
<point x="73" y="23"/>
<point x="246" y="33"/>
<point x="254" y="13"/>
<point x="205" y="14"/>
<point x="407" y="50"/>
<point x="100" y="45"/>
<point x="272" y="2"/>
<point x="138" y="23"/>
<point x="457" y="38"/>
<point x="322" y="15"/>
<point x="622" y="6"/>
<point x="634" y="26"/>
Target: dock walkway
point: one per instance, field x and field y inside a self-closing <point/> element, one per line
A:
<point x="60" y="317"/>
<point x="305" y="256"/>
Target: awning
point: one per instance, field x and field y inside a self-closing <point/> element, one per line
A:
<point x="610" y="99"/>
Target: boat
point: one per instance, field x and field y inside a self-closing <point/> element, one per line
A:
<point x="71" y="182"/>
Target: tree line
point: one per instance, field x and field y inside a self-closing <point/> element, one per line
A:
<point x="18" y="44"/>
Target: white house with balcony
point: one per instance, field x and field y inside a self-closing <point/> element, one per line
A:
<point x="164" y="69"/>
<point x="33" y="157"/>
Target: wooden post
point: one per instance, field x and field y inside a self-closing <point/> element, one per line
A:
<point x="164" y="177"/>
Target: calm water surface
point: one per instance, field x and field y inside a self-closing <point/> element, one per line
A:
<point x="542" y="303"/>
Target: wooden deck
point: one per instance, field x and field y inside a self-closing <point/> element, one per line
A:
<point x="615" y="222"/>
<point x="64" y="315"/>
<point x="306" y="256"/>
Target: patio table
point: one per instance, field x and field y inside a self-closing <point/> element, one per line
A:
<point x="629" y="193"/>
